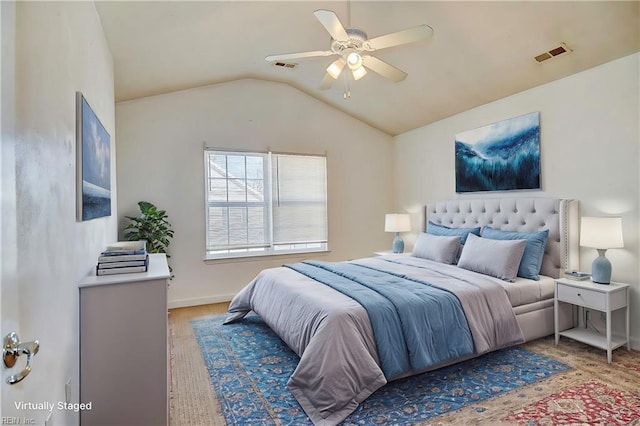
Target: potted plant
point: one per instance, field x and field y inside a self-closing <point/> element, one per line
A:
<point x="152" y="226"/>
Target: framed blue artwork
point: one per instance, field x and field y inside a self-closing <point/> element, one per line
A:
<point x="499" y="157"/>
<point x="93" y="159"/>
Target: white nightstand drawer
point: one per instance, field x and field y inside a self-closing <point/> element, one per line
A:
<point x="582" y="297"/>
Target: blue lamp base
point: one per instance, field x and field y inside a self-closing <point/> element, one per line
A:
<point x="398" y="244"/>
<point x="601" y="269"/>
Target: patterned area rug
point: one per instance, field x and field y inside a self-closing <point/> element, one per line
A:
<point x="592" y="402"/>
<point x="249" y="368"/>
<point x="592" y="392"/>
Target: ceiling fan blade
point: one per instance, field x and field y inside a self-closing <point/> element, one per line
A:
<point x="384" y="69"/>
<point x="330" y="21"/>
<point x="310" y="54"/>
<point x="421" y="32"/>
<point x="327" y="81"/>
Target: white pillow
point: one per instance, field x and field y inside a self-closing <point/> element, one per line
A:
<point x="437" y="248"/>
<point x="498" y="258"/>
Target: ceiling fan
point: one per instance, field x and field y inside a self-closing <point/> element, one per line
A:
<point x="352" y="46"/>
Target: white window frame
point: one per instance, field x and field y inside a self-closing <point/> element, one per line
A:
<point x="269" y="248"/>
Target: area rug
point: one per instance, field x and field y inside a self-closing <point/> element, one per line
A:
<point x="592" y="402"/>
<point x="592" y="392"/>
<point x="249" y="367"/>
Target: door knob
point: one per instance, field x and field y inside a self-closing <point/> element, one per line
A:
<point x="12" y="348"/>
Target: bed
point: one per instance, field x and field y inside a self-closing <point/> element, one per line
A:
<point x="357" y="325"/>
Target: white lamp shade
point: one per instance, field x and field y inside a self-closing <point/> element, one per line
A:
<point x="335" y="68"/>
<point x="397" y="222"/>
<point x="601" y="232"/>
<point x="358" y="73"/>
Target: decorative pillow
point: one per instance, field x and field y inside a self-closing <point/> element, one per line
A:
<point x="435" y="229"/>
<point x="532" y="258"/>
<point x="498" y="258"/>
<point x="437" y="248"/>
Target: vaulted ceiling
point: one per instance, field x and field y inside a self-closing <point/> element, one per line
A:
<point x="479" y="51"/>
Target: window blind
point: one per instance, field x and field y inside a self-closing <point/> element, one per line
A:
<point x="263" y="203"/>
<point x="237" y="208"/>
<point x="299" y="199"/>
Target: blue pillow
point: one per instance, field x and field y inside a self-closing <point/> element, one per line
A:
<point x="532" y="258"/>
<point x="445" y="231"/>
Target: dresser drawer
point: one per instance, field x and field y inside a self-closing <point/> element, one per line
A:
<point x="582" y="297"/>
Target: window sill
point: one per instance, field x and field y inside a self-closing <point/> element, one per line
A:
<point x="265" y="257"/>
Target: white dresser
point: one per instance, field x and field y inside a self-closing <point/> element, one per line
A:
<point x="123" y="347"/>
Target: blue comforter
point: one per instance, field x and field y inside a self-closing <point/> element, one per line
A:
<point x="416" y="325"/>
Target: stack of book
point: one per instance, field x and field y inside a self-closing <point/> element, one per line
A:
<point x="123" y="258"/>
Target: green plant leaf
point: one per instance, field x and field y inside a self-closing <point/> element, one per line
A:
<point x="152" y="225"/>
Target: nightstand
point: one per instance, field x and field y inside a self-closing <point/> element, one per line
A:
<point x="600" y="297"/>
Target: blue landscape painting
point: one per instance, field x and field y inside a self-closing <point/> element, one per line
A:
<point x="499" y="157"/>
<point x="96" y="165"/>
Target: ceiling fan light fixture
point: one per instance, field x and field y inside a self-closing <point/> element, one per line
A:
<point x="354" y="48"/>
<point x="358" y="73"/>
<point x="335" y="68"/>
<point x="354" y="60"/>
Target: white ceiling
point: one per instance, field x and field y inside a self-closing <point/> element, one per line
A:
<point x="480" y="51"/>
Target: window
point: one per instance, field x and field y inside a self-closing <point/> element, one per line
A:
<point x="264" y="203"/>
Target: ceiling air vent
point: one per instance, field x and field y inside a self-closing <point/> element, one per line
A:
<point x="285" y="64"/>
<point x="556" y="51"/>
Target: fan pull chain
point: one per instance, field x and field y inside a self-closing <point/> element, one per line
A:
<point x="347" y="88"/>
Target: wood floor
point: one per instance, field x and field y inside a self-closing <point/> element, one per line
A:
<point x="193" y="401"/>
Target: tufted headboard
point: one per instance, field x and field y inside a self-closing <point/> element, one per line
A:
<point x="559" y="216"/>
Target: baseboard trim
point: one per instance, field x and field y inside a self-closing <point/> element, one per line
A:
<point x="183" y="303"/>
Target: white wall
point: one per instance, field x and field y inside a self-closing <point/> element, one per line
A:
<point x="59" y="49"/>
<point x="8" y="215"/>
<point x="160" y="159"/>
<point x="589" y="145"/>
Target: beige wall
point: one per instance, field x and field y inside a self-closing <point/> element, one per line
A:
<point x="590" y="151"/>
<point x="59" y="49"/>
<point x="160" y="159"/>
<point x="589" y="145"/>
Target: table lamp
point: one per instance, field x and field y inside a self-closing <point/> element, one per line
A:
<point x="601" y="233"/>
<point x="397" y="222"/>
